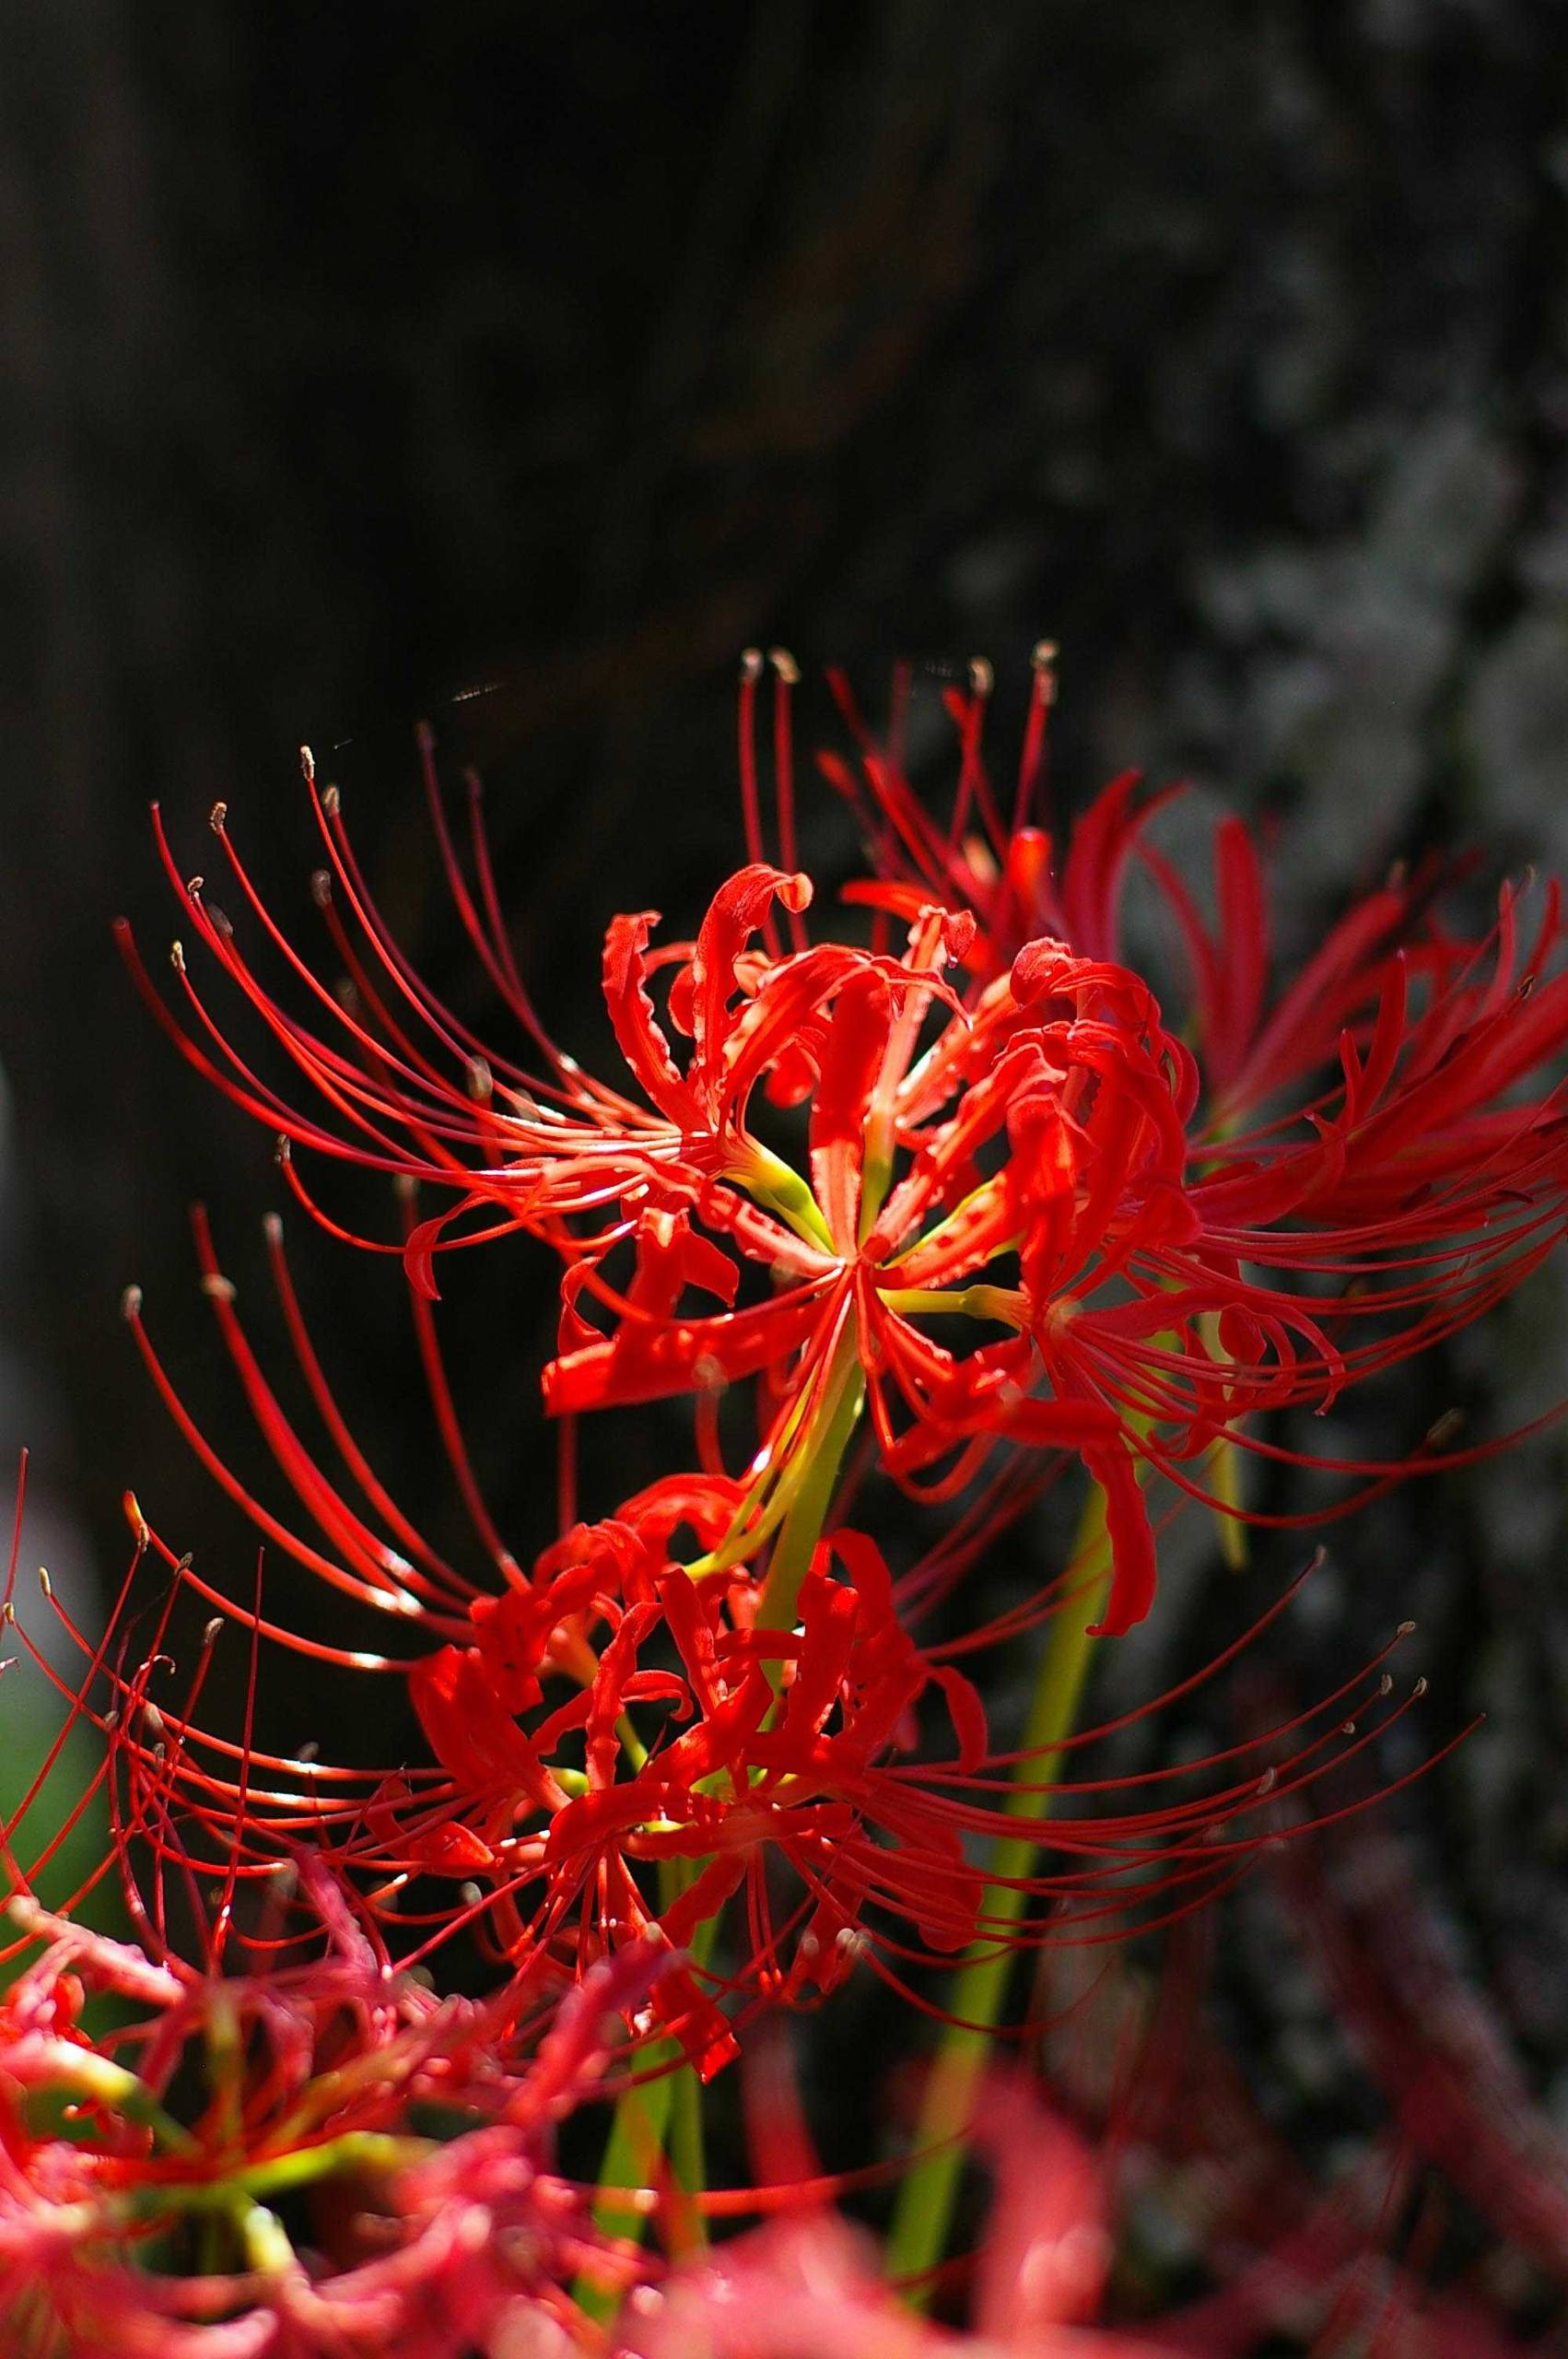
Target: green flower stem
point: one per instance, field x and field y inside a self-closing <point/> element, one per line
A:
<point x="802" y="1526"/>
<point x="923" y="2214"/>
<point x="748" y="1529"/>
<point x="978" y="1996"/>
<point x="371" y="2152"/>
<point x="664" y="2113"/>
<point x="232" y="2225"/>
<point x="638" y="2133"/>
<point x="84" y="2073"/>
<point x="689" y="2157"/>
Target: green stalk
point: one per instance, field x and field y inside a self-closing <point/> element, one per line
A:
<point x="923" y="2214"/>
<point x="689" y="2157"/>
<point x="802" y="1526"/>
<point x="665" y="2113"/>
<point x="373" y="2152"/>
<point x="638" y="2132"/>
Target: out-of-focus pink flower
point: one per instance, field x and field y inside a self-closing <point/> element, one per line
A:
<point x="240" y="2160"/>
<point x="136" y="2220"/>
<point x="807" y="2285"/>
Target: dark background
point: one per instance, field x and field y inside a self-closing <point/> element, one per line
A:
<point x="349" y="356"/>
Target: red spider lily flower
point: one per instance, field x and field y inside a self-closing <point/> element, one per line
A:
<point x="269" y="2068"/>
<point x="134" y="2222"/>
<point x="1042" y="1125"/>
<point x="625" y="1743"/>
<point x="807" y="2283"/>
<point x="437" y="2244"/>
<point x="1149" y="1244"/>
<point x="1406" y="1048"/>
<point x="766" y="1752"/>
<point x="770" y="1756"/>
<point x="1065" y="1071"/>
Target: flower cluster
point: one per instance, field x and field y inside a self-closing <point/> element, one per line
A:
<point x="1153" y="1238"/>
<point x="947" y="1196"/>
<point x="1149" y="1243"/>
<point x="137" y="2220"/>
<point x="636" y="1730"/>
<point x="137" y="2217"/>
